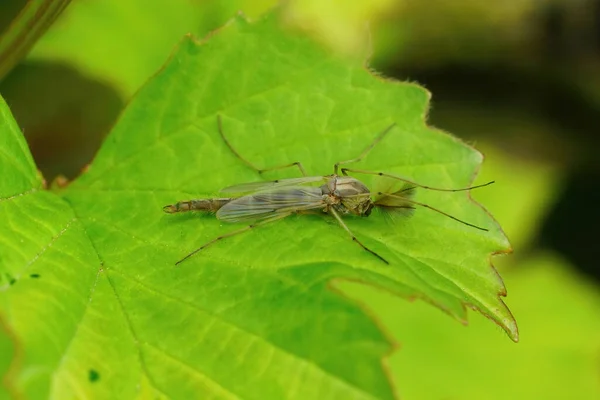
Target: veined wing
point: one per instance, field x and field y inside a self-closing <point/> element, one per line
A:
<point x="268" y="203"/>
<point x="259" y="186"/>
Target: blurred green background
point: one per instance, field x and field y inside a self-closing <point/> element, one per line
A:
<point x="518" y="79"/>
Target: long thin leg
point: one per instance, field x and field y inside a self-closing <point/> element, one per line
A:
<point x="248" y="163"/>
<point x="404" y="199"/>
<point x="339" y="219"/>
<point x="297" y="164"/>
<point x="365" y="151"/>
<point x="233" y="233"/>
<point x="362" y="171"/>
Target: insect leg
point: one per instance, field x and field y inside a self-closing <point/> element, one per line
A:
<point x="343" y="225"/>
<point x="365" y="151"/>
<point x="233" y="233"/>
<point x="412" y="183"/>
<point x="248" y="163"/>
<point x="297" y="164"/>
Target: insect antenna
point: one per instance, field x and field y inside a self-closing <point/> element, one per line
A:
<point x="409" y="201"/>
<point x="411" y="183"/>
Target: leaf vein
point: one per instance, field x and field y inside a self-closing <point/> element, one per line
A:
<point x="303" y="362"/>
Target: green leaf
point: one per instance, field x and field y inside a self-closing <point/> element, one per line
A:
<point x="557" y="357"/>
<point x="109" y="56"/>
<point x="100" y="308"/>
<point x="20" y="175"/>
<point x="340" y="25"/>
<point x="22" y="33"/>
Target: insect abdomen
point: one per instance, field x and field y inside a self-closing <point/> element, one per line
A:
<point x="207" y="205"/>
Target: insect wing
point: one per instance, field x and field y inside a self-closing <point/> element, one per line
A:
<point x="399" y="198"/>
<point x="269" y="203"/>
<point x="260" y="186"/>
<point x="398" y="203"/>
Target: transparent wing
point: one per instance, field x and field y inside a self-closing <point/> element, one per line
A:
<point x="268" y="203"/>
<point x="259" y="186"/>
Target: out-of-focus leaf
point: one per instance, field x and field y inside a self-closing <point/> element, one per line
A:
<point x="31" y="22"/>
<point x="343" y="25"/>
<point x="132" y="50"/>
<point x="522" y="195"/>
<point x="7" y="350"/>
<point x="126" y="42"/>
<point x="557" y="358"/>
<point x="63" y="115"/>
<point x="436" y="32"/>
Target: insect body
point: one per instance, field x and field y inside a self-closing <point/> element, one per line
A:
<point x="263" y="202"/>
<point x="338" y="195"/>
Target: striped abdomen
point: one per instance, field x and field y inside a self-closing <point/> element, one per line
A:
<point x="207" y="205"/>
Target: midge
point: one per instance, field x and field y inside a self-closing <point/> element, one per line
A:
<point x="262" y="202"/>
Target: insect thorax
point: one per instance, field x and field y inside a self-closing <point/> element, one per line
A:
<point x="348" y="195"/>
